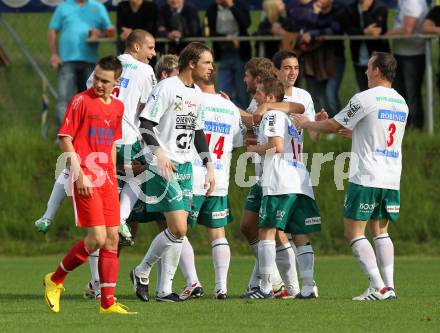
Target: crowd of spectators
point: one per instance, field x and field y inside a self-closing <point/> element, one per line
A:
<point x="300" y="21"/>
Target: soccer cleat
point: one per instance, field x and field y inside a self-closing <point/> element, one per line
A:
<point x="278" y="288"/>
<point x="195" y="290"/>
<point x="221" y="295"/>
<point x="140" y="286"/>
<point x="171" y="298"/>
<point x="372" y="294"/>
<point x="258" y="294"/>
<point x="92" y="290"/>
<point x="248" y="290"/>
<point x="116" y="308"/>
<point x="308" y="292"/>
<point x="125" y="237"/>
<point x="43" y="224"/>
<point x="287" y="293"/>
<point x="52" y="293"/>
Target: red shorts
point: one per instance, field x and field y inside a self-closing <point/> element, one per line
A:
<point x="102" y="207"/>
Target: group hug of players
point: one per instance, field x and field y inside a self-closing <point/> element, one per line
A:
<point x="170" y="144"/>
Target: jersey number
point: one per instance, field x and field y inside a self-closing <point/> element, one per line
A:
<point x="218" y="148"/>
<point x="183" y="141"/>
<point x="392" y="131"/>
<point x="296" y="153"/>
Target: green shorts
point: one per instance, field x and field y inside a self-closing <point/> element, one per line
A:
<point x="364" y="203"/>
<point x="253" y="200"/>
<point x="212" y="212"/>
<point x="125" y="154"/>
<point x="168" y="196"/>
<point x="297" y="214"/>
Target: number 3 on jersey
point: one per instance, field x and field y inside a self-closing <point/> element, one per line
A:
<point x="218" y="148"/>
<point x="391" y="131"/>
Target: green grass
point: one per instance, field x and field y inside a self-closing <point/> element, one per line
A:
<point x="339" y="278"/>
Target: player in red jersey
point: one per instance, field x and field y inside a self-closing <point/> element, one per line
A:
<point x="90" y="127"/>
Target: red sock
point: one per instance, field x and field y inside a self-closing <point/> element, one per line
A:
<point x="108" y="266"/>
<point x="77" y="255"/>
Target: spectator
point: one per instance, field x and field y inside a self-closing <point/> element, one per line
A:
<point x="135" y="14"/>
<point x="166" y="67"/>
<point x="70" y="26"/>
<point x="177" y="20"/>
<point x="313" y="19"/>
<point x="274" y="24"/>
<point x="369" y="18"/>
<point x="410" y="56"/>
<point x="230" y="18"/>
<point x="431" y="25"/>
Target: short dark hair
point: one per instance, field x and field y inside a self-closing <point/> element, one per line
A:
<point x="137" y="36"/>
<point x="273" y="86"/>
<point x="386" y="63"/>
<point x="282" y="55"/>
<point x="260" y="67"/>
<point x="111" y="63"/>
<point x="191" y="53"/>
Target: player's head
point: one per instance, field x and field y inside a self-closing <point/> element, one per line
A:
<point x="208" y="85"/>
<point x="269" y="90"/>
<point x="196" y="58"/>
<point x="141" y="45"/>
<point x="381" y="66"/>
<point x="167" y="66"/>
<point x="107" y="72"/>
<point x="286" y="63"/>
<point x="256" y="70"/>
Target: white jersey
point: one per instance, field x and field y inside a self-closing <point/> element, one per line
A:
<point x="283" y="173"/>
<point x="223" y="131"/>
<point x="377" y="117"/>
<point x="176" y="109"/>
<point x="133" y="88"/>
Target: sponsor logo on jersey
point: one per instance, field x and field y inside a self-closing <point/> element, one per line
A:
<point x="123" y="82"/>
<point x="107" y="122"/>
<point x="215" y="127"/>
<point x="130" y="66"/>
<point x="393" y="208"/>
<point x="392" y="115"/>
<point x="312" y="220"/>
<point x="367" y="208"/>
<point x="187" y="122"/>
<point x="101" y="133"/>
<point x="272" y="119"/>
<point x="177" y="107"/>
<point x="354" y="108"/>
<point x="386" y="153"/>
<point x="220" y="214"/>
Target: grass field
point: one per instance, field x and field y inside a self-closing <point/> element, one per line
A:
<point x="416" y="309"/>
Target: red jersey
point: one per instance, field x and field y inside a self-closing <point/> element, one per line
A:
<point x="93" y="127"/>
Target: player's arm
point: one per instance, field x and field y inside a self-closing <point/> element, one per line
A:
<point x="286" y="107"/>
<point x="325" y="126"/>
<point x="246" y="118"/>
<point x="82" y="183"/>
<point x="202" y="149"/>
<point x="275" y="142"/>
<point x="320" y="116"/>
<point x="114" y="156"/>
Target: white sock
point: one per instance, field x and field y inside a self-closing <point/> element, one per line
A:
<point x="292" y="244"/>
<point x="255" y="278"/>
<point x="277" y="280"/>
<point x="266" y="262"/>
<point x="169" y="263"/>
<point x="187" y="263"/>
<point x="305" y="259"/>
<point x="221" y="256"/>
<point x="93" y="262"/>
<point x="161" y="243"/>
<point x="57" y="196"/>
<point x="159" y="276"/>
<point x="364" y="253"/>
<point x="385" y="257"/>
<point x="286" y="263"/>
<point x="128" y="197"/>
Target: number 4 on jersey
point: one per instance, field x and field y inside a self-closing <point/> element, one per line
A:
<point x="218" y="148"/>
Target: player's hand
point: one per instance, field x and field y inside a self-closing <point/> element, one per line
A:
<point x="259" y="113"/>
<point x="209" y="179"/>
<point x="84" y="185"/>
<point x="165" y="167"/>
<point x="321" y="115"/>
<point x="55" y="61"/>
<point x="125" y="32"/>
<point x="345" y="133"/>
<point x="250" y="142"/>
<point x="94" y="33"/>
<point x="224" y="95"/>
<point x="299" y="120"/>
